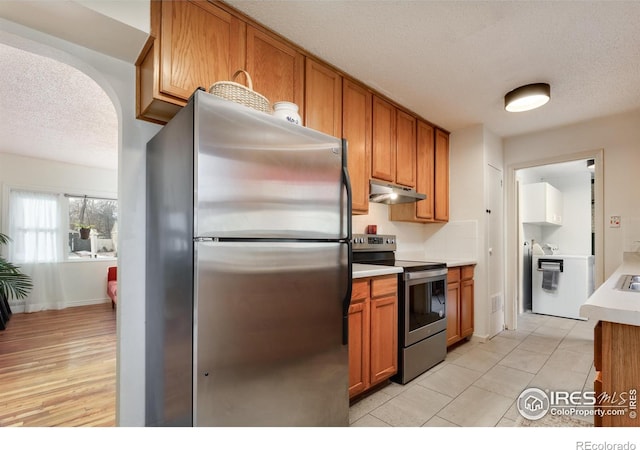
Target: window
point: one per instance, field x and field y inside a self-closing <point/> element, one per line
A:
<point x="34" y="224"/>
<point x="37" y="224"/>
<point x="93" y="226"/>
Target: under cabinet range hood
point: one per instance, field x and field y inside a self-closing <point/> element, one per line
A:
<point x="391" y="194"/>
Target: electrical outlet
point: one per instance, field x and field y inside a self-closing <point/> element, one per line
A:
<point x="614" y="222"/>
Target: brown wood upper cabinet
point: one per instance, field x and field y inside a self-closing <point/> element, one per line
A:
<point x="432" y="178"/>
<point x="394" y="144"/>
<point x="356" y="129"/>
<point x="277" y="69"/>
<point x="383" y="154"/>
<point x="425" y="159"/>
<point x="193" y="44"/>
<point x="196" y="43"/>
<point x="441" y="182"/>
<point x="405" y="149"/>
<point x="323" y="95"/>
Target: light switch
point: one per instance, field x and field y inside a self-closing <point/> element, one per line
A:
<point x="614" y="222"/>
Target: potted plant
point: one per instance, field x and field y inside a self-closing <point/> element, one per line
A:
<point x="84" y="229"/>
<point x="13" y="283"/>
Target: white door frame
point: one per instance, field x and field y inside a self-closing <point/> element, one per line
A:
<point x="513" y="264"/>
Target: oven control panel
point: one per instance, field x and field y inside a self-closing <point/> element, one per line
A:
<point x="374" y="242"/>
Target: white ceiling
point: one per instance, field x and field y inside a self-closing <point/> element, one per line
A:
<point x="550" y="171"/>
<point x="51" y="110"/>
<point x="449" y="61"/>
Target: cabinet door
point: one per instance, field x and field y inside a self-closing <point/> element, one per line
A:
<point x="425" y="169"/>
<point x="453" y="313"/>
<point x="358" y="347"/>
<point x="199" y="45"/>
<point x="405" y="149"/>
<point x="442" y="176"/>
<point x="466" y="308"/>
<point x="384" y="338"/>
<point x="383" y="160"/>
<point x="323" y="99"/>
<point x="356" y="129"/>
<point x="276" y="68"/>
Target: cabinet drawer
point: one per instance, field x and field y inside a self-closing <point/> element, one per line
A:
<point x="466" y="272"/>
<point x="360" y="290"/>
<point x="453" y="275"/>
<point x="384" y="285"/>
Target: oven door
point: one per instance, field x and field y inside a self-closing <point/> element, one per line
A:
<point x="425" y="304"/>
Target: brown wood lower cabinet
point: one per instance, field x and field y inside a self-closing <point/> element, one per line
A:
<point x="373" y="332"/>
<point x="617" y="381"/>
<point x="460" y="286"/>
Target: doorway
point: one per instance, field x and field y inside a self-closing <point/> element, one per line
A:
<point x="579" y="230"/>
<point x="63" y="140"/>
<point x="495" y="260"/>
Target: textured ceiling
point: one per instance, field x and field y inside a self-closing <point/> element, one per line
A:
<point x="452" y="61"/>
<point x="53" y="111"/>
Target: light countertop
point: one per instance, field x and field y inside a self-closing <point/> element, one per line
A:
<point x="612" y="305"/>
<point x="370" y="270"/>
<point x="458" y="262"/>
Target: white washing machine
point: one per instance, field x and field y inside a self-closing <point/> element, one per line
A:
<point x="560" y="284"/>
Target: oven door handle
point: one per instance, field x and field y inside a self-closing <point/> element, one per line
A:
<point x="425" y="274"/>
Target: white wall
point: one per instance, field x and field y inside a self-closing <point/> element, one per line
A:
<point x="465" y="236"/>
<point x="573" y="237"/>
<point x="118" y="80"/>
<point x="82" y="282"/>
<point x="619" y="137"/>
<point x="410" y="235"/>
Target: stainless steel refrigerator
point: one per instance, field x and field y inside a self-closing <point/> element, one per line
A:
<point x="248" y="271"/>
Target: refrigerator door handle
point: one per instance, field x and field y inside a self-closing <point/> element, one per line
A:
<point x="346" y="181"/>
<point x="346" y="302"/>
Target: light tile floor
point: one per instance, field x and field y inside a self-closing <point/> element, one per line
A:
<point x="478" y="383"/>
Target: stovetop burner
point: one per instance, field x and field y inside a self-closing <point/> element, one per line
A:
<point x="380" y="250"/>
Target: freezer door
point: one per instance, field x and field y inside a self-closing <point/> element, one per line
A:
<point x="259" y="176"/>
<point x="268" y="334"/>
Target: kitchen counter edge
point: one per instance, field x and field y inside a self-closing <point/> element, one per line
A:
<point x="458" y="262"/>
<point x="370" y="270"/>
<point x="612" y="305"/>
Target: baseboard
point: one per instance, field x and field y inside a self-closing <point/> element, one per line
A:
<point x="482" y="339"/>
<point x="21" y="308"/>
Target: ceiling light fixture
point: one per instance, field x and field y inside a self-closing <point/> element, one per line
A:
<point x="527" y="97"/>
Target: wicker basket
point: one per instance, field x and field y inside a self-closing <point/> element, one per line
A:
<point x="245" y="95"/>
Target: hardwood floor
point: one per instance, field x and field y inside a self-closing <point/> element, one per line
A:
<point x="58" y="368"/>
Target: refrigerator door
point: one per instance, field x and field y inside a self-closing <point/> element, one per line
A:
<point x="258" y="176"/>
<point x="268" y="334"/>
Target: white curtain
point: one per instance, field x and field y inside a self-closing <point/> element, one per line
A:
<point x="36" y="246"/>
<point x="47" y="292"/>
<point x="34" y="227"/>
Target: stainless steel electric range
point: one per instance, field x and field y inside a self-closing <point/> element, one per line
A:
<point x="422" y="304"/>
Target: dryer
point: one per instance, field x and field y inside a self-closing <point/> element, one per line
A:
<point x="561" y="284"/>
